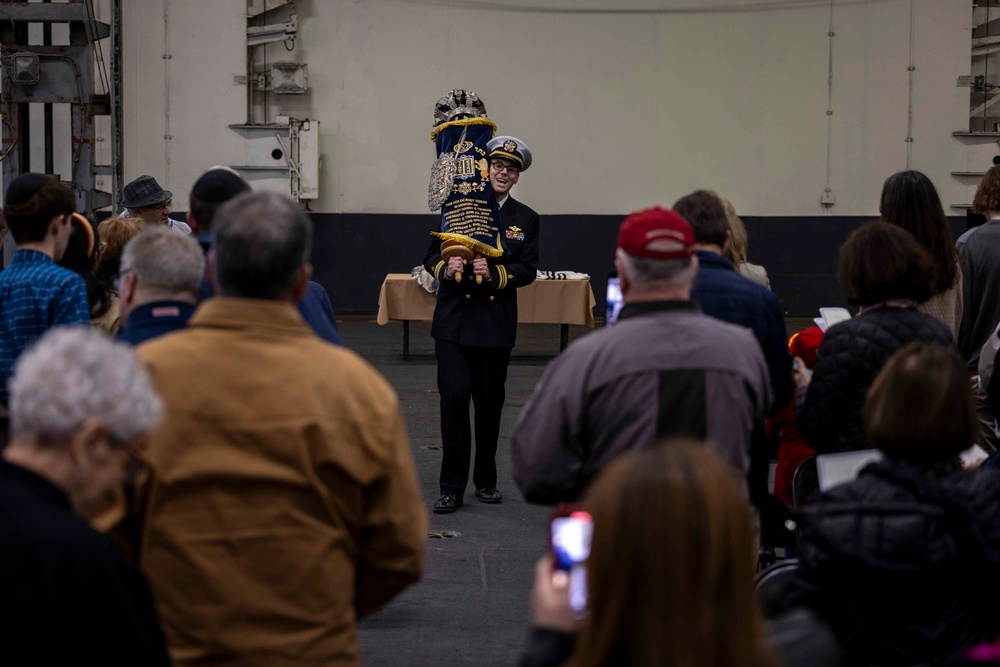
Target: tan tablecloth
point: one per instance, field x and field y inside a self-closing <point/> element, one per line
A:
<point x="541" y="302"/>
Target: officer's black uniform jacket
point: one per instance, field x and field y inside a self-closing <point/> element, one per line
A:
<point x="485" y="315"/>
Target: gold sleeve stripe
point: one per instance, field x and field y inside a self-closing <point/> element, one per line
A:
<point x="502" y="274"/>
<point x="437" y="270"/>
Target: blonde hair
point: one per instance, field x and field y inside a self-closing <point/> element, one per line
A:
<point x="115" y="233"/>
<point x="736" y="253"/>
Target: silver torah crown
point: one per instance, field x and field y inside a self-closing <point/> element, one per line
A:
<point x="458" y="104"/>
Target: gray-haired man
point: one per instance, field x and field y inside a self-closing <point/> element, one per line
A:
<point x="78" y="404"/>
<point x="158" y="284"/>
<point x="283" y="485"/>
<point x="664" y="370"/>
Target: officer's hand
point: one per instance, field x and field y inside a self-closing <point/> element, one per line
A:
<point x="481" y="268"/>
<point x="455" y="265"/>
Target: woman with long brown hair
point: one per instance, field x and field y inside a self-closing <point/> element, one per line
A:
<point x="670" y="573"/>
<point x="910" y="201"/>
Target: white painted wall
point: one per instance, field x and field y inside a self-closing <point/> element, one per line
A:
<point x="621" y="111"/>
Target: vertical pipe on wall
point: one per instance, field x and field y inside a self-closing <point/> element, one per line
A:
<point x="23" y="112"/>
<point x="263" y="49"/>
<point x="115" y="90"/>
<point x="24" y="138"/>
<point x="47" y="108"/>
<point x="249" y="72"/>
<point x="909" y="103"/>
<point x="166" y="89"/>
<point x="828" y="191"/>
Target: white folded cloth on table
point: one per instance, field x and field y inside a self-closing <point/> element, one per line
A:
<point x="424" y="279"/>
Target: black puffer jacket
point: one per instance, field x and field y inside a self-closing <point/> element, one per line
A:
<point x="904" y="565"/>
<point x="850" y="356"/>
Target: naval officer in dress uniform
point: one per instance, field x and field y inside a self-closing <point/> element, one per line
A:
<point x="474" y="328"/>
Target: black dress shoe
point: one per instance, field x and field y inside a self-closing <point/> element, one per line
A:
<point x="491" y="496"/>
<point x="448" y="503"/>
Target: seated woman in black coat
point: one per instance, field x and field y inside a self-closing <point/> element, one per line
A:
<point x="884" y="270"/>
<point x="904" y="562"/>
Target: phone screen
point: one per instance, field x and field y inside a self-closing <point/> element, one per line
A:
<point x="613" y="296"/>
<point x="571" y="537"/>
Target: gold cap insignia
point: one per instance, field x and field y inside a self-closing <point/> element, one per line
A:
<point x="509" y="146"/>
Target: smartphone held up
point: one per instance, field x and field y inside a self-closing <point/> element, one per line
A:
<point x="570" y="533"/>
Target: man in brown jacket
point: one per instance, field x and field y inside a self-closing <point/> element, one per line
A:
<point x="283" y="502"/>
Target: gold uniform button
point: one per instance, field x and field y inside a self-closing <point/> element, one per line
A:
<point x="509" y="276"/>
<point x="491" y="298"/>
<point x="468" y="296"/>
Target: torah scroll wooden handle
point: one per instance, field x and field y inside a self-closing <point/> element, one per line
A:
<point x="451" y="249"/>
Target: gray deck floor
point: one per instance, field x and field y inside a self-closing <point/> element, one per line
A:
<point x="471" y="608"/>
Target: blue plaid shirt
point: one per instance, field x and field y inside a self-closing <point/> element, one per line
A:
<point x="35" y="295"/>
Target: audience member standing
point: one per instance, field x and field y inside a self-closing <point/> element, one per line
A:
<point x="283" y="502"/>
<point x="664" y="369"/>
<point x="736" y="252"/>
<point x="910" y="201"/>
<point x="78" y="404"/>
<point x="114" y="234"/>
<point x="82" y="256"/>
<point x="981" y="273"/>
<point x="725" y="295"/>
<point x="669" y="578"/>
<point x="144" y="198"/>
<point x="213" y="189"/>
<point x="904" y="562"/>
<point x="884" y="270"/>
<point x="35" y="294"/>
<point x="161" y="273"/>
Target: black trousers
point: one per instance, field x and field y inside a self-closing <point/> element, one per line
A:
<point x="479" y="374"/>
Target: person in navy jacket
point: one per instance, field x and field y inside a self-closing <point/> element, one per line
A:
<point x="213" y="189"/>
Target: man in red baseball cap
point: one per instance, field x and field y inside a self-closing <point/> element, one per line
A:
<point x="665" y="370"/>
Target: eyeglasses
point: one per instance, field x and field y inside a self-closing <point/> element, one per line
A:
<point x="498" y="167"/>
<point x="162" y="205"/>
